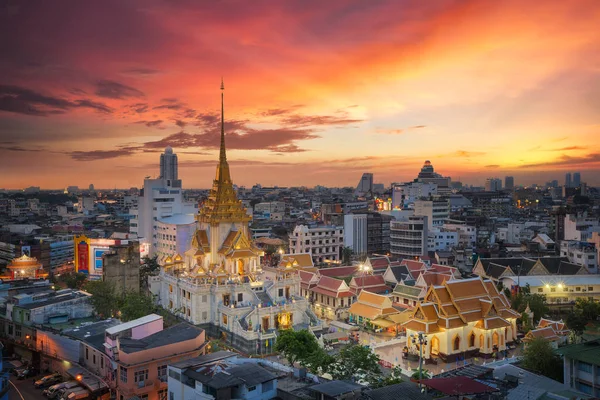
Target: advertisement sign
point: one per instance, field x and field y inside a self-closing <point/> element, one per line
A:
<point x="26" y="251"/>
<point x="83" y="258"/>
<point x="98" y="258"/>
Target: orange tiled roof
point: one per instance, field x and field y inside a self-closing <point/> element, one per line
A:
<point x="546" y="333"/>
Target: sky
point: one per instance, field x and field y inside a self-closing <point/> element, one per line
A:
<point x="316" y="92"/>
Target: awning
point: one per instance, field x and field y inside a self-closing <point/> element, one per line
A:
<point x="335" y="336"/>
<point x="384" y="323"/>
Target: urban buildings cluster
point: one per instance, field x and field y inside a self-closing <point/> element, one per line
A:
<point x="423" y="268"/>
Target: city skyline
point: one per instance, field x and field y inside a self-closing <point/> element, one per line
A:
<point x="482" y="90"/>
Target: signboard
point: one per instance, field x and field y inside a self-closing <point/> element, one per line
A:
<point x="26" y="251"/>
<point x="98" y="258"/>
<point x="83" y="258"/>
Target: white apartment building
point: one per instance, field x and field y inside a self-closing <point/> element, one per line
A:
<point x="493" y="184"/>
<point x="159" y="199"/>
<point x="85" y="204"/>
<point x="580" y="228"/>
<point x="518" y="232"/>
<point x="436" y="211"/>
<point x="467" y="234"/>
<point x="355" y="232"/>
<point x="408" y="193"/>
<point x="174" y="235"/>
<point x="581" y="254"/>
<point x="324" y="243"/>
<point x="440" y="239"/>
<point x="408" y="239"/>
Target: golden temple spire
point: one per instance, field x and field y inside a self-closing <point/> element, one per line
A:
<point x="223" y="167"/>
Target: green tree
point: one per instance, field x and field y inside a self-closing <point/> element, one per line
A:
<point x="103" y="298"/>
<point x="576" y="322"/>
<point x="356" y="361"/>
<point x="74" y="280"/>
<point x="526" y="323"/>
<point x="318" y="361"/>
<point x="148" y="267"/>
<point x="589" y="309"/>
<point x="424" y="374"/>
<point x="296" y="346"/>
<point x="539" y="357"/>
<point x="393" y="378"/>
<point x="537" y="304"/>
<point x="136" y="305"/>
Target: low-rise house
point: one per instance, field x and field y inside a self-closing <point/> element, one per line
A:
<point x="374" y="311"/>
<point x="553" y="331"/>
<point x="582" y="367"/>
<point x="330" y="298"/>
<point x="220" y="375"/>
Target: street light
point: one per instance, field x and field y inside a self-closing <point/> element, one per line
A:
<point x="422" y="340"/>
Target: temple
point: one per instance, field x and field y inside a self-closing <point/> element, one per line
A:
<point x="219" y="283"/>
<point x="462" y="318"/>
<point x="26" y="267"/>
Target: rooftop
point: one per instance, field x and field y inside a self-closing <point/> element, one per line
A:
<point x="588" y="352"/>
<point x="174" y="334"/>
<point x="132" y="324"/>
<point x="336" y="388"/>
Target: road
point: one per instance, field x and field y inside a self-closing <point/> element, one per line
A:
<point x="23" y="390"/>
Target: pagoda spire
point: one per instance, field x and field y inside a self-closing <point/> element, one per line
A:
<point x="223" y="167"/>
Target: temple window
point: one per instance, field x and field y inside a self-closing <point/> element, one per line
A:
<point x="481" y="342"/>
<point x="472" y="340"/>
<point x="456" y="343"/>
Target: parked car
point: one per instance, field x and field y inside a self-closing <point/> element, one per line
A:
<point x="47" y="381"/>
<point x="55" y="391"/>
<point x="76" y="393"/>
<point x="27" y="373"/>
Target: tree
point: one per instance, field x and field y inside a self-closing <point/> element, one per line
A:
<point x="576" y="322"/>
<point x="148" y="268"/>
<point x="296" y="345"/>
<point x="590" y="310"/>
<point x="424" y="374"/>
<point x="539" y="357"/>
<point x="358" y="362"/>
<point x="318" y="361"/>
<point x="526" y="323"/>
<point x="103" y="298"/>
<point x="537" y="303"/>
<point x="393" y="378"/>
<point x="74" y="280"/>
<point x="136" y="305"/>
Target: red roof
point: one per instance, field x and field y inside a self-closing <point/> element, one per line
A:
<point x="331" y="293"/>
<point x="379" y="262"/>
<point x="329" y="283"/>
<point x="443" y="268"/>
<point x="457" y="385"/>
<point x="338" y="271"/>
<point x="413" y="265"/>
<point x="368" y="281"/>
<point x="435" y="278"/>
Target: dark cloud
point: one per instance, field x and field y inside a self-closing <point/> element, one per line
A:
<point x="19" y="148"/>
<point x="139" y="107"/>
<point x="25" y="101"/>
<point x="116" y="90"/>
<point x="151" y="124"/>
<point x="275" y="112"/>
<point x="180" y="123"/>
<point x="170" y="106"/>
<point x="569" y="148"/>
<point x="466" y="153"/>
<point x="492" y="166"/>
<point x="315" y="120"/>
<point x="95" y="155"/>
<point x="567" y="160"/>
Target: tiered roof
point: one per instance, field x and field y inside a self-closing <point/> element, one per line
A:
<point x="458" y="302"/>
<point x="499" y="267"/>
<point x="300" y="260"/>
<point x="372" y="283"/>
<point x="372" y="306"/>
<point x="548" y="329"/>
<point x="415" y="267"/>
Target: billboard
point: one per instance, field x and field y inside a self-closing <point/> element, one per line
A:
<point x="26" y="251"/>
<point x="83" y="257"/>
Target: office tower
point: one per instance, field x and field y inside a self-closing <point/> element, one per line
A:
<point x="168" y="165"/>
<point x="576" y="179"/>
<point x="509" y="183"/>
<point x="568" y="180"/>
<point x="493" y="184"/>
<point x="365" y="185"/>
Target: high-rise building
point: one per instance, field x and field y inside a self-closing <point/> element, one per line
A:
<point x="365" y="185"/>
<point x="493" y="184"/>
<point x="408" y="239"/>
<point x="576" y="179"/>
<point x="428" y="175"/>
<point x="568" y="182"/>
<point x="436" y="211"/>
<point x="509" y="183"/>
<point x="168" y="165"/>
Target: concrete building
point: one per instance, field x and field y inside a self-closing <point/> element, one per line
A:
<point x="467" y="234"/>
<point x="121" y="267"/>
<point x="407" y="193"/>
<point x="580" y="227"/>
<point x="428" y="175"/>
<point x="568" y="182"/>
<point x="440" y="239"/>
<point x="159" y="199"/>
<point x="582" y="367"/>
<point x="493" y="185"/>
<point x="133" y="357"/>
<point x="271" y="211"/>
<point x="365" y="185"/>
<point x="367" y="233"/>
<point x="436" y="211"/>
<point x="408" y="239"/>
<point x="174" y="235"/>
<point x="581" y="253"/>
<point x="509" y="183"/>
<point x="85" y="204"/>
<point x="221" y="375"/>
<point x="168" y="165"/>
<point x="576" y="179"/>
<point x="324" y="243"/>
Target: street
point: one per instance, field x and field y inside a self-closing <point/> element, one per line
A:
<point x="23" y="390"/>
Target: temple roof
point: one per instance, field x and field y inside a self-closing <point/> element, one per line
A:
<point x="25" y="262"/>
<point x="222" y="204"/>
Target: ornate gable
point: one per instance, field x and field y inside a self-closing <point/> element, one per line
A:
<point x="538" y="269"/>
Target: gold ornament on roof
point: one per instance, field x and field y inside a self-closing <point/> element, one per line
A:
<point x="222" y="204"/>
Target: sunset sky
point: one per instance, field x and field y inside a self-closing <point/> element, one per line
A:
<point x="317" y="92"/>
